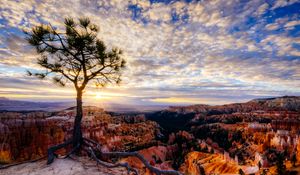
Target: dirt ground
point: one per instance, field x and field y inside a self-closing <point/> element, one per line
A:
<point x="80" y="166"/>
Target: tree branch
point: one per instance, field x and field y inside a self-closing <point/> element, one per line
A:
<point x="93" y="74"/>
<point x="69" y="78"/>
<point x="63" y="45"/>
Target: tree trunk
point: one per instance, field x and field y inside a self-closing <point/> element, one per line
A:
<point x="77" y="139"/>
<point x="77" y="133"/>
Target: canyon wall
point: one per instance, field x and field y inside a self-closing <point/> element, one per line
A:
<point x="27" y="136"/>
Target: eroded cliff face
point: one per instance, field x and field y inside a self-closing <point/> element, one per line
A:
<point x="214" y="139"/>
<point x="261" y="110"/>
<point x="210" y="163"/>
<point x="285" y="103"/>
<point x="158" y="156"/>
<point x="298" y="151"/>
<point x="28" y="136"/>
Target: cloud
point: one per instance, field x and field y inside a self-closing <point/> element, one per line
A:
<point x="283" y="45"/>
<point x="283" y="3"/>
<point x="177" y="48"/>
<point x="158" y="12"/>
<point x="291" y="24"/>
<point x="272" y="26"/>
<point x="262" y="9"/>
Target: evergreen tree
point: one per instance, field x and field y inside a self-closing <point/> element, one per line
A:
<point x="74" y="55"/>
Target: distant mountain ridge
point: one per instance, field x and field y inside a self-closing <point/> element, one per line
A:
<point x="181" y="117"/>
<point x="286" y="102"/>
<point x="3" y="98"/>
<point x="275" y="103"/>
<point x="26" y="106"/>
<point x="18" y="105"/>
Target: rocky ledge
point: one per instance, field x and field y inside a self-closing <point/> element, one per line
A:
<point x="79" y="166"/>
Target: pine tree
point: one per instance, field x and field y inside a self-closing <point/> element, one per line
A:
<point x="75" y="55"/>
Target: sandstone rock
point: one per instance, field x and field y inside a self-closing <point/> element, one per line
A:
<point x="212" y="164"/>
<point x="28" y="136"/>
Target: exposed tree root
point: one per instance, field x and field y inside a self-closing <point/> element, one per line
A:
<point x="126" y="154"/>
<point x="111" y="165"/>
<point x="71" y="152"/>
<point x="51" y="150"/>
<point x="19" y="163"/>
<point x="92" y="148"/>
<point x="51" y="155"/>
<point x="88" y="141"/>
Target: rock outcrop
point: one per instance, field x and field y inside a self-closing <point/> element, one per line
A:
<point x="27" y="136"/>
<point x="158" y="156"/>
<point x="285" y="102"/>
<point x="210" y="163"/>
<point x="62" y="167"/>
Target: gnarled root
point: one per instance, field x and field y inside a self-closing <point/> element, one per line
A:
<point x="51" y="151"/>
<point x="93" y="148"/>
<point x="51" y="155"/>
<point x="18" y="163"/>
<point x="153" y="169"/>
<point x="74" y="149"/>
<point x="111" y="165"/>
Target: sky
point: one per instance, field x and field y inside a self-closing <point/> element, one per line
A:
<point x="177" y="52"/>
